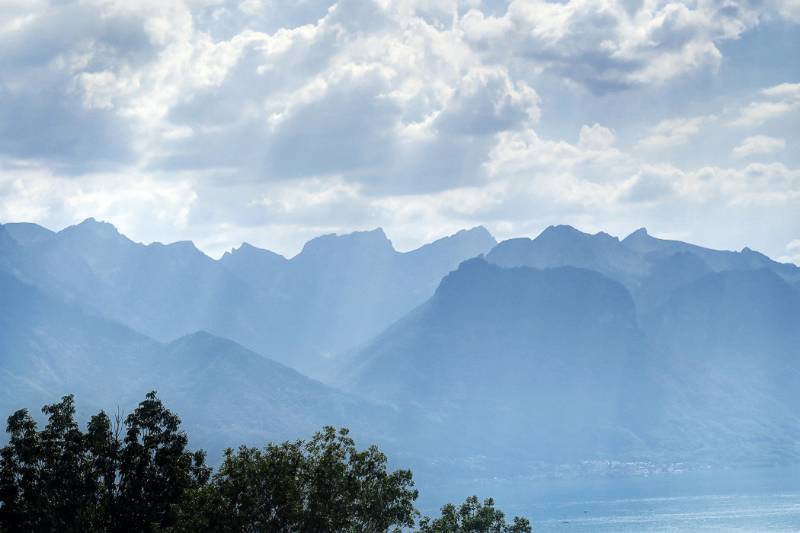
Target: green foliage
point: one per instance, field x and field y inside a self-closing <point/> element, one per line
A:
<point x="321" y="485"/>
<point x="473" y="517"/>
<point x="155" y="469"/>
<point x="137" y="475"/>
<point x="61" y="479"/>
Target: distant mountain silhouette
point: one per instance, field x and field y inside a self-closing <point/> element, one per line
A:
<point x="649" y="267"/>
<point x="555" y="362"/>
<point x="566" y="246"/>
<point x="8" y="245"/>
<point x="564" y="347"/>
<point x="546" y="359"/>
<point x="259" y="268"/>
<point x="340" y="291"/>
<point x="26" y="233"/>
<point x="337" y="293"/>
<point x="719" y="260"/>
<point x="224" y="392"/>
<point x="728" y="346"/>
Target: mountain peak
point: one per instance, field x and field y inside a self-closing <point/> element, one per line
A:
<point x="248" y="250"/>
<point x="478" y="235"/>
<point x="93" y="222"/>
<point x="638" y="238"/>
<point x="478" y="231"/>
<point x="183" y="245"/>
<point x="562" y="234"/>
<point x="561" y="230"/>
<point x="370" y="241"/>
<point x="476" y="239"/>
<point x="28" y="233"/>
<point x="253" y="264"/>
<point x="93" y="227"/>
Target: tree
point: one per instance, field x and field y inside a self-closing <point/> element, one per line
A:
<point x="138" y="475"/>
<point x="20" y="493"/>
<point x="43" y="485"/>
<point x="155" y="467"/>
<point x="473" y="517"/>
<point x="61" y="479"/>
<point x="321" y="485"/>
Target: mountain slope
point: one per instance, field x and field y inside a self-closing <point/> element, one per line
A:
<point x="259" y="268"/>
<point x="336" y="294"/>
<point x="544" y="359"/>
<point x="27" y="233"/>
<point x="552" y="364"/>
<point x="650" y="268"/>
<point x="346" y="289"/>
<point x="225" y="393"/>
<point x="565" y="246"/>
<point x="729" y="344"/>
<point x="718" y="260"/>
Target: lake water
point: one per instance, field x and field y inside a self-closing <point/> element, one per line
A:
<point x="721" y="513"/>
<point x="719" y="501"/>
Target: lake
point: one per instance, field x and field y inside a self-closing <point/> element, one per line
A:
<point x="725" y="501"/>
<point x="720" y="513"/>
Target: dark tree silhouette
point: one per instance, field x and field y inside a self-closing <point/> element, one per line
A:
<point x="61" y="479"/>
<point x="473" y="517"/>
<point x="138" y="475"/>
<point x="321" y="485"/>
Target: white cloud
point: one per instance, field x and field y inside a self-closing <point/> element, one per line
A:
<point x="137" y="203"/>
<point x="652" y="183"/>
<point x="610" y="45"/>
<point x="790" y="91"/>
<point x="596" y="137"/>
<point x="792" y="253"/>
<point x="783" y="99"/>
<point x="674" y="132"/>
<point x="756" y="113"/>
<point x="276" y="120"/>
<point x="758" y="145"/>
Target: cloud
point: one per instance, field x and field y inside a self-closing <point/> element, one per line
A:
<point x="783" y="99"/>
<point x="792" y="253"/>
<point x="273" y="121"/>
<point x="674" y="132"/>
<point x="486" y="101"/>
<point x="613" y="45"/>
<point x="651" y="184"/>
<point x="596" y="137"/>
<point x="137" y="203"/>
<point x="758" y="145"/>
<point x="763" y="184"/>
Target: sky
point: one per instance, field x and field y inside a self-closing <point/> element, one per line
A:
<point x="274" y="121"/>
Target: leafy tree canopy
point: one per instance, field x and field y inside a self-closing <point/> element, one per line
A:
<point x="62" y="479"/>
<point x="473" y="517"/>
<point x="136" y="474"/>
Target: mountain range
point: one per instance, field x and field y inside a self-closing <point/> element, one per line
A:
<point x="558" y="349"/>
<point x="334" y="295"/>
